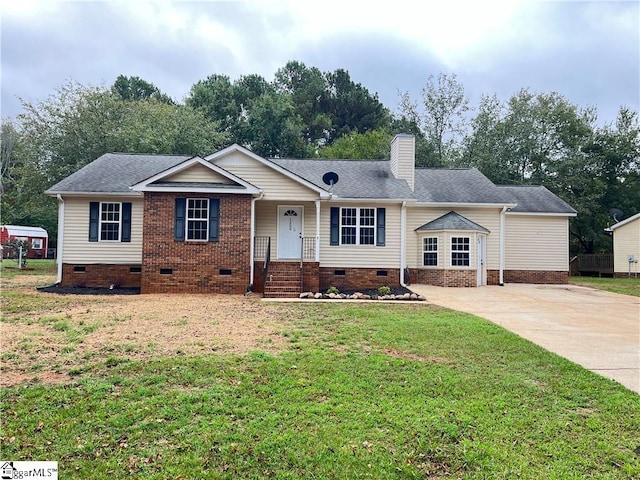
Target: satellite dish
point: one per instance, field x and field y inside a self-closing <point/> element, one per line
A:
<point x="330" y="178"/>
<point x="616" y="213"/>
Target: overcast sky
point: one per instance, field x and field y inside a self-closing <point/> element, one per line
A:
<point x="587" y="51"/>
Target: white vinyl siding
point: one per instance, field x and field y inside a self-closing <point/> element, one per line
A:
<point x="197" y="173"/>
<point x="363" y="256"/>
<point x="535" y="242"/>
<point x="78" y="249"/>
<point x="417" y="216"/>
<point x="626" y="241"/>
<point x="275" y="185"/>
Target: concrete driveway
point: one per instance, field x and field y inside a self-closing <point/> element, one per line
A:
<point x="596" y="329"/>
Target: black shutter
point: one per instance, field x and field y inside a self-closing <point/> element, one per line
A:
<point x="380" y="227"/>
<point x="126" y="222"/>
<point x="179" y="219"/>
<point x="214" y="219"/>
<point x="334" y="236"/>
<point x="94" y="221"/>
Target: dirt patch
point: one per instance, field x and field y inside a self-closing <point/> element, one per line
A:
<point x="71" y="336"/>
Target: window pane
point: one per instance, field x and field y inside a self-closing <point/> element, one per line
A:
<point x="367" y="236"/>
<point x="348" y="216"/>
<point x="367" y="217"/>
<point x="110" y="221"/>
<point x="197" y="219"/>
<point x="348" y="236"/>
<point x="430" y="259"/>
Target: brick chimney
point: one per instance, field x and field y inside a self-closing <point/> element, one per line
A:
<point x="403" y="157"/>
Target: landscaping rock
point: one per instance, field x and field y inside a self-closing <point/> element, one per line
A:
<point x="317" y="295"/>
<point x="306" y="295"/>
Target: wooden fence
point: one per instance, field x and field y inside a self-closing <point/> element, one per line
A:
<point x="590" y="264"/>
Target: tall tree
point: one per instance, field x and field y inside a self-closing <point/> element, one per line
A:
<point x="135" y="88"/>
<point x="373" y="144"/>
<point x="307" y="90"/>
<point x="351" y="107"/>
<point x="441" y="118"/>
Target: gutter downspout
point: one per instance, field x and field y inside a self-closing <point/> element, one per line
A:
<point x="252" y="237"/>
<point x="403" y="246"/>
<point x="317" y="259"/>
<point x="60" y="240"/>
<point x="501" y="270"/>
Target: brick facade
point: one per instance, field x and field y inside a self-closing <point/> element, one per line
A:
<point x="354" y="278"/>
<point x="170" y="266"/>
<point x="535" y="276"/>
<point x="123" y="276"/>
<point x="444" y="278"/>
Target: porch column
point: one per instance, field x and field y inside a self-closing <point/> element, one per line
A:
<point x="317" y="231"/>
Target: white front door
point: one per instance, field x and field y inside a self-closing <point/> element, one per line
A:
<point x="289" y="232"/>
<point x="481" y="264"/>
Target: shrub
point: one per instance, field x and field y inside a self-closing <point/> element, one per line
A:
<point x="384" y="290"/>
<point x="332" y="289"/>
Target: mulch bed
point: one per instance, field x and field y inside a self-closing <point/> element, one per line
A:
<point x="88" y="290"/>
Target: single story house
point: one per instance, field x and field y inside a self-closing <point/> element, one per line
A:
<point x="37" y="239"/>
<point x="234" y="221"/>
<point x="626" y="246"/>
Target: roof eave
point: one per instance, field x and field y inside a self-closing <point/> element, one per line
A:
<point x="54" y="193"/>
<point x="459" y="204"/>
<point x="544" y="214"/>
<point x="183" y="189"/>
<point x="625" y="221"/>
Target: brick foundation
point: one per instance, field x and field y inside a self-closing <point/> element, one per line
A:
<point x="535" y="276"/>
<point x="355" y="278"/>
<point x="81" y="275"/>
<point x="170" y="266"/>
<point x="444" y="278"/>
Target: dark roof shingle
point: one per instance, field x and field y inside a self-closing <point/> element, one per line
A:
<point x="115" y="173"/>
<point x="357" y="178"/>
<point x="456" y="185"/>
<point x="536" y="199"/>
<point x="452" y="221"/>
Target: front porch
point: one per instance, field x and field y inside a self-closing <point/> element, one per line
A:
<point x="284" y="278"/>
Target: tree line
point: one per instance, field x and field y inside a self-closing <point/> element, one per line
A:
<point x="531" y="138"/>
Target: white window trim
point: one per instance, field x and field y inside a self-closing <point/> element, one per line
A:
<point x="436" y="251"/>
<point x="357" y="226"/>
<point x="101" y="222"/>
<point x="33" y="242"/>
<point x="187" y="218"/>
<point x="452" y="251"/>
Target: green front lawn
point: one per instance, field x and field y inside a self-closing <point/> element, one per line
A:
<point x="9" y="267"/>
<point x="362" y="391"/>
<point x="626" y="286"/>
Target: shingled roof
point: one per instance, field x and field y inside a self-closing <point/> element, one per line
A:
<point x="357" y="178"/>
<point x="452" y="221"/>
<point x="115" y="173"/>
<point x="536" y="199"/>
<point x="457" y="185"/>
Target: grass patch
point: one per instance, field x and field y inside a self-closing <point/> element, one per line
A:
<point x="9" y="268"/>
<point x="364" y="391"/>
<point x="626" y="286"/>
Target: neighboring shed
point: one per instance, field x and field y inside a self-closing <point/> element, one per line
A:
<point x="37" y="238"/>
<point x="626" y="246"/>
